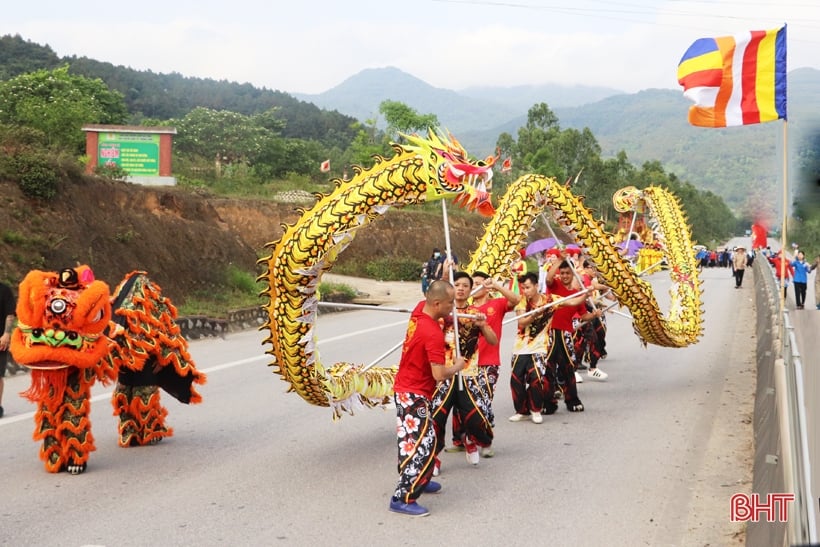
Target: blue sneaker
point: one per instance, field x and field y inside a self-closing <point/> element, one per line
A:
<point x="411" y="509"/>
<point x="432" y="487"/>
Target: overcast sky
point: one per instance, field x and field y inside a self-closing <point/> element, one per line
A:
<point x="310" y="46"/>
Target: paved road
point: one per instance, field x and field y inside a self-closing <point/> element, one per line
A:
<point x="653" y="460"/>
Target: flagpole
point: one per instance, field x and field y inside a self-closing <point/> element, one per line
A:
<point x="783" y="230"/>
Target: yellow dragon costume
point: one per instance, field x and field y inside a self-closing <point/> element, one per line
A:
<point x="437" y="168"/>
<point x="71" y="333"/>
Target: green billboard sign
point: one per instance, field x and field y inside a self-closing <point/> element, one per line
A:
<point x="135" y="153"/>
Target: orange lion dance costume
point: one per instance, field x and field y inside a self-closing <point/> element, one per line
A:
<point x="71" y="333"/>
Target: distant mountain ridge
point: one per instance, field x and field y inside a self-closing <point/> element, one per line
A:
<point x="471" y="109"/>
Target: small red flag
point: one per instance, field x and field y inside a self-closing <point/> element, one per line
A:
<point x="325" y="167"/>
<point x="507" y="165"/>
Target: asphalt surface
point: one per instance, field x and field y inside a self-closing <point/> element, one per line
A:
<point x="654" y="459"/>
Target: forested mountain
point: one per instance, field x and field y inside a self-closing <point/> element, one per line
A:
<point x="149" y="95"/>
<point x="361" y="94"/>
<point x="18" y="56"/>
<point x="472" y="109"/>
<point x="465" y="111"/>
<point x="735" y="163"/>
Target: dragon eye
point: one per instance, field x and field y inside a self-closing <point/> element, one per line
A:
<point x="57" y="306"/>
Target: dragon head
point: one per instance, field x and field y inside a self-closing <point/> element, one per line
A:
<point x="61" y="320"/>
<point x="452" y="174"/>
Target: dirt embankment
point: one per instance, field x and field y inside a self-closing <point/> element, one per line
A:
<point x="184" y="240"/>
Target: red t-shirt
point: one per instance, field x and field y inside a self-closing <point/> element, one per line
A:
<point x="788" y="270"/>
<point x="423" y="345"/>
<point x="494" y="309"/>
<point x="562" y="318"/>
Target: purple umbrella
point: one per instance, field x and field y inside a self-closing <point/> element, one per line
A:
<point x="632" y="247"/>
<point x="539" y="246"/>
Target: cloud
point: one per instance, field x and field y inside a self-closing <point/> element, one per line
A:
<point x="311" y="46"/>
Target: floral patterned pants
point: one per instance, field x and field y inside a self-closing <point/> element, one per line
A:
<point x="416" y="445"/>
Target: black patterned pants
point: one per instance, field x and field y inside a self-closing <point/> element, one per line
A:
<point x="528" y="382"/>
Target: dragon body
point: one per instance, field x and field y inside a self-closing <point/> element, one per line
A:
<point x="528" y="197"/>
<point x="435" y="169"/>
<point x="426" y="169"/>
<point x="72" y="333"/>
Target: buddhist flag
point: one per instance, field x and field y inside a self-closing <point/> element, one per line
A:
<point x="506" y="165"/>
<point x="325" y="167"/>
<point x="736" y="80"/>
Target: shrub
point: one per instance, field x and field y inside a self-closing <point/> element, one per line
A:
<point x="12" y="237"/>
<point x="336" y="292"/>
<point x="125" y="237"/>
<point x="242" y="281"/>
<point x="111" y="171"/>
<point x="393" y="269"/>
<point x="35" y="176"/>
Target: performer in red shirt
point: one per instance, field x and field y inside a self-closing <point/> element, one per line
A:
<point x="561" y="357"/>
<point x="422" y="364"/>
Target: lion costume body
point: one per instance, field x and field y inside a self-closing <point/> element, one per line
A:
<point x="71" y="332"/>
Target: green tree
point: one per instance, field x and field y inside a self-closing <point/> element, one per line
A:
<point x="59" y="104"/>
<point x="369" y="141"/>
<point x="220" y="135"/>
<point x="401" y="118"/>
<point x="544" y="148"/>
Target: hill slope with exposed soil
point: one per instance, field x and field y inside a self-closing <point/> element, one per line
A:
<point x="185" y="240"/>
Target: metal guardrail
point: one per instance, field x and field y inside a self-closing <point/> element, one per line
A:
<point x="803" y="528"/>
<point x="783" y="459"/>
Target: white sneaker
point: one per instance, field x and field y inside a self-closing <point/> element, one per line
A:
<point x="597" y="374"/>
<point x="471" y="453"/>
<point x="436" y="468"/>
<point x="578" y="378"/>
<point x="487" y="452"/>
<point x="536" y="417"/>
<point x="518" y="417"/>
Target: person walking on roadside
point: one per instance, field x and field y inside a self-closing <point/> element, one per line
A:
<point x="739" y="265"/>
<point x="782" y="270"/>
<point x="7" y="316"/>
<point x="432" y="270"/>
<point x="801" y="270"/>
<point x="422" y="364"/>
<point x="814" y="266"/>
